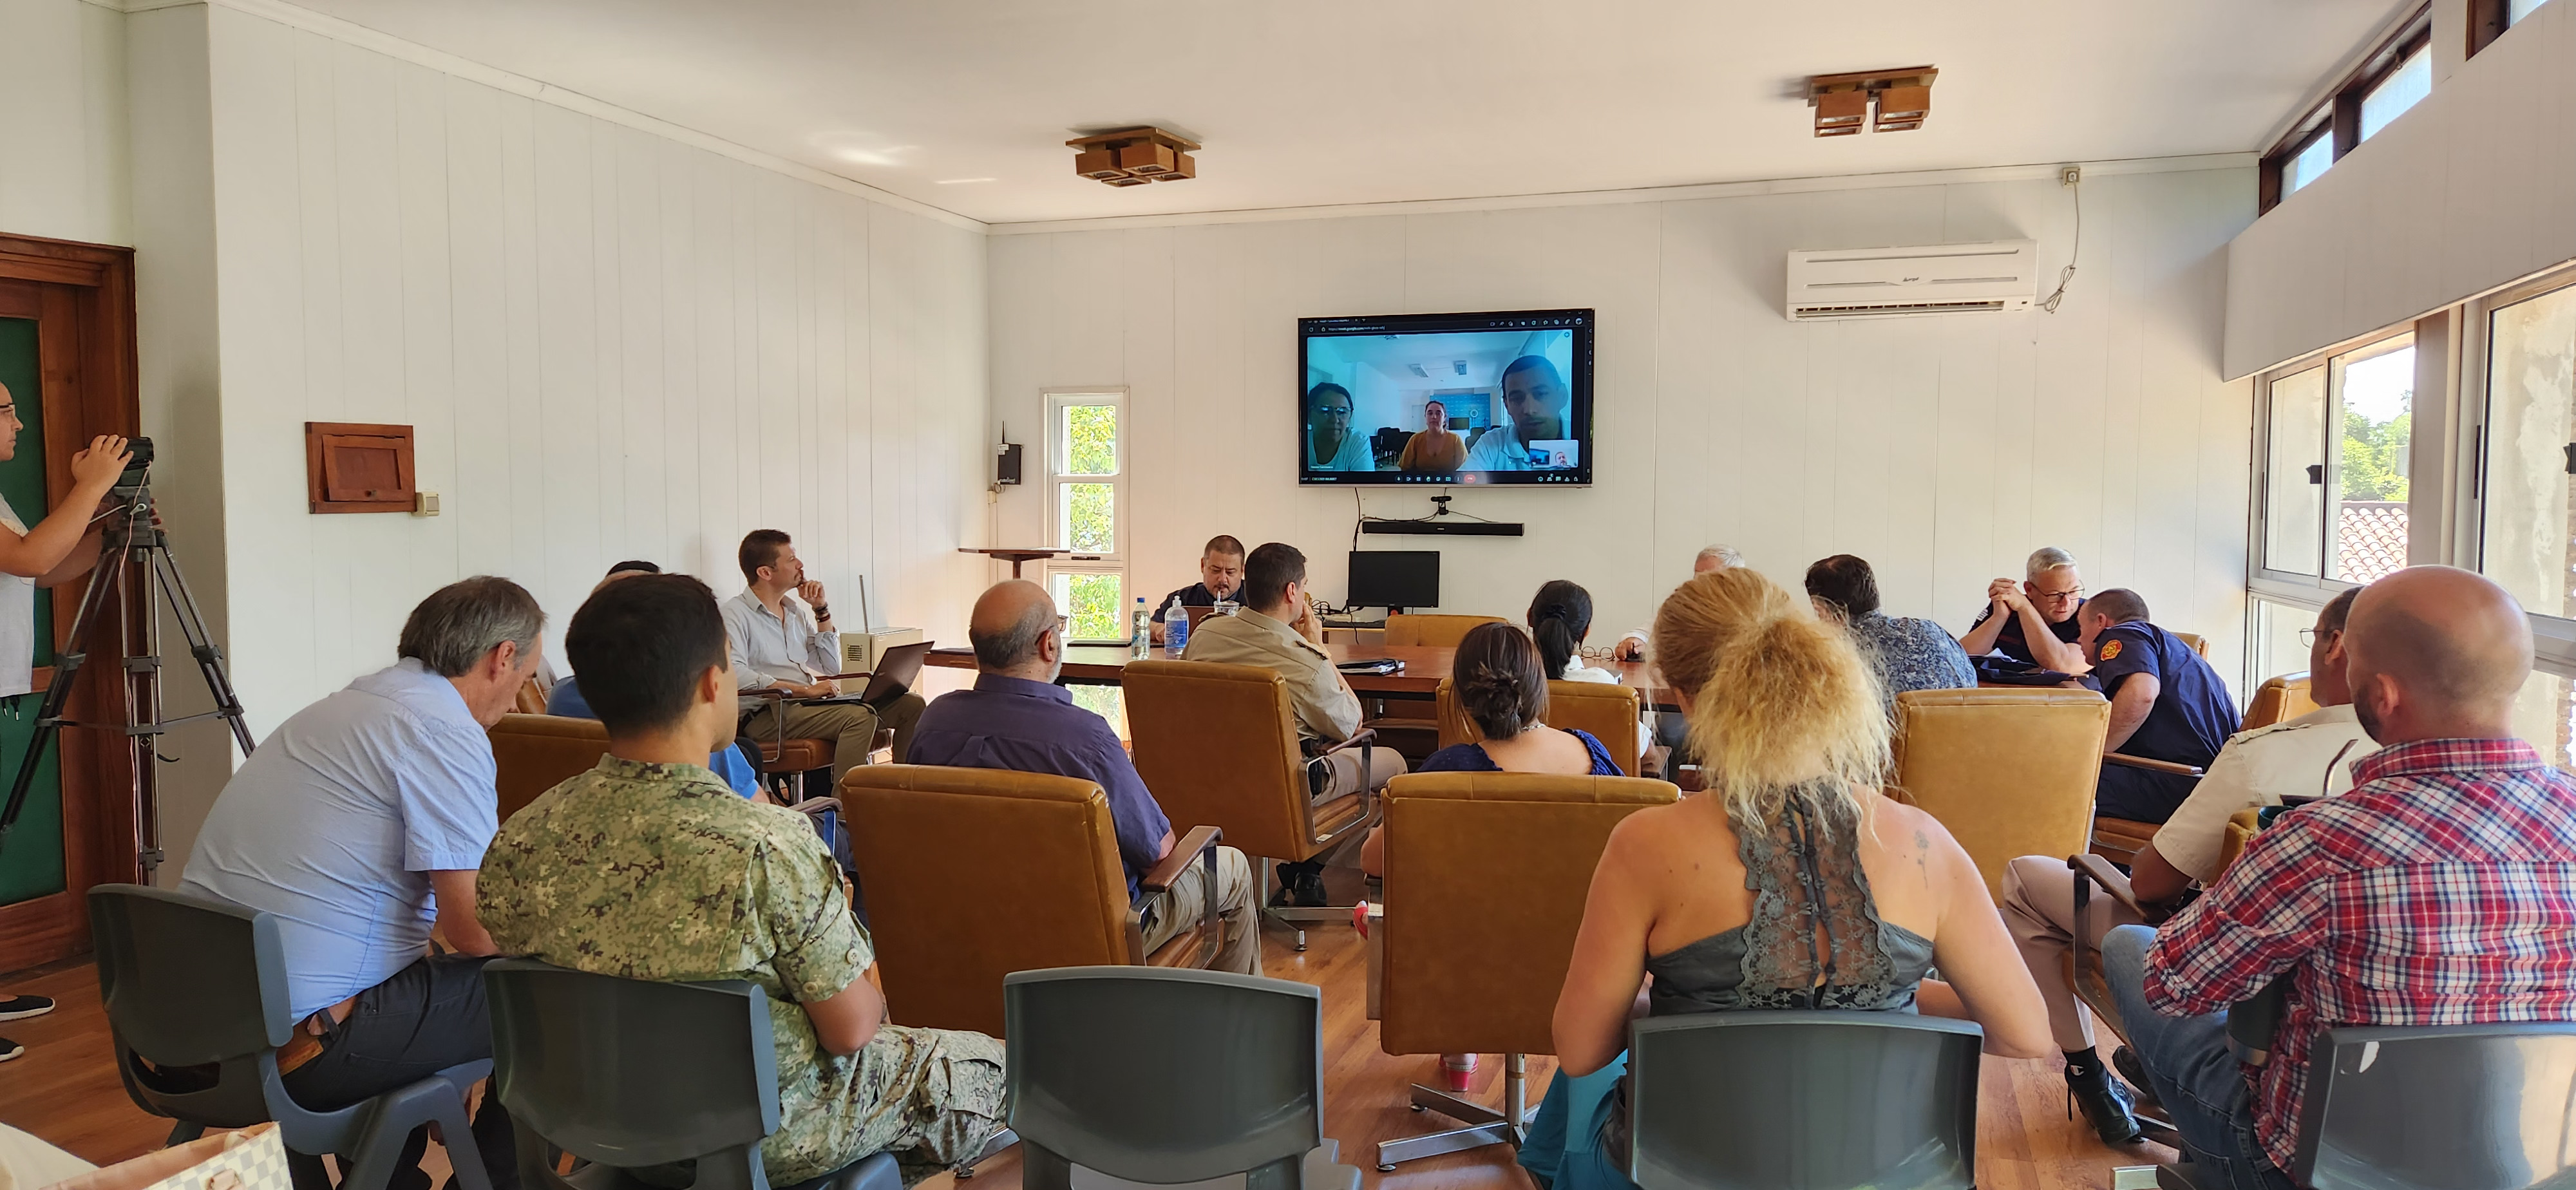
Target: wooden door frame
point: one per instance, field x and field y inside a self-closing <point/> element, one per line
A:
<point x="87" y="361"/>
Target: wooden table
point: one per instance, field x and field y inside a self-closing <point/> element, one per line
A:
<point x="1015" y="556"/>
<point x="1424" y="668"/>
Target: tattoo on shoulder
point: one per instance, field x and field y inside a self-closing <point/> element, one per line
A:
<point x="1923" y="853"/>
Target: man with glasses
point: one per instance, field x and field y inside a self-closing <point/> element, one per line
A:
<point x="2033" y="621"/>
<point x="2307" y="757"/>
<point x="1016" y="718"/>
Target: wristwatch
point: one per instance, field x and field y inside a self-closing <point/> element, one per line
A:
<point x="822" y="612"/>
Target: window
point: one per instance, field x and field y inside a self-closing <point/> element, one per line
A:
<point x="2488" y="19"/>
<point x="2530" y="448"/>
<point x="2375" y="399"/>
<point x="2515" y="10"/>
<point x="2544" y="717"/>
<point x="2277" y="648"/>
<point x="1086" y="456"/>
<point x="2402" y="89"/>
<point x="2397" y="75"/>
<point x="2294" y="492"/>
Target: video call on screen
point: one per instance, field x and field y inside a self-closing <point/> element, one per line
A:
<point x="1443" y="399"/>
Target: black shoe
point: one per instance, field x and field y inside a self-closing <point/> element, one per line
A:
<point x="1300" y="886"/>
<point x="2125" y="1060"/>
<point x="2106" y="1105"/>
<point x="19" y="1007"/>
<point x="10" y="1049"/>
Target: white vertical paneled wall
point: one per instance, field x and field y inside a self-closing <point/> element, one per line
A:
<point x="63" y="162"/>
<point x="611" y="345"/>
<point x="1942" y="449"/>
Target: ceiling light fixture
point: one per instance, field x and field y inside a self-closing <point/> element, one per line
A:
<point x="1842" y="101"/>
<point x="1134" y="157"/>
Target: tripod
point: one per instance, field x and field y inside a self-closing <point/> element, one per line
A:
<point x="130" y="536"/>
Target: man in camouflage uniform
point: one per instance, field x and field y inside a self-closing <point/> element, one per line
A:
<point x="650" y="867"/>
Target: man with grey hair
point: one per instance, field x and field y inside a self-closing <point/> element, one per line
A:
<point x="1016" y="718"/>
<point x="360" y="824"/>
<point x="2033" y="621"/>
<point x="1712" y="558"/>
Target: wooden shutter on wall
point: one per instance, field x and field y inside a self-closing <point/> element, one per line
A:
<point x="356" y="467"/>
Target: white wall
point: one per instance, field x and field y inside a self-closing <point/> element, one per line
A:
<point x="611" y="345"/>
<point x="1943" y="450"/>
<point x="2472" y="189"/>
<point x="63" y="164"/>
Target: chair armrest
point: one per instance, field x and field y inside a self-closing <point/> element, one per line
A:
<point x="1200" y="840"/>
<point x="2253" y="1021"/>
<point x="2158" y="766"/>
<point x="1365" y="735"/>
<point x="2099" y="871"/>
<point x="816" y="805"/>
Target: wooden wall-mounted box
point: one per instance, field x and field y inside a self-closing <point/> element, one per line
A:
<point x="354" y="467"/>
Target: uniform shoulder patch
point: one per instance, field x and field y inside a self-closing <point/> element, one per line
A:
<point x="2110" y="650"/>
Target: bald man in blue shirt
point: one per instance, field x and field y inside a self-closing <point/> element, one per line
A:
<point x="1017" y="719"/>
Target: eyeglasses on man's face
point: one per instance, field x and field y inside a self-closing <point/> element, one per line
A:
<point x="2308" y="637"/>
<point x="2059" y="596"/>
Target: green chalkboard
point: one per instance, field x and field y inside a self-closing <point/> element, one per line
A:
<point x="32" y="866"/>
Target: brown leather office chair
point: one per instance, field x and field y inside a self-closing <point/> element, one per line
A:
<point x="1432" y="629"/>
<point x="1464" y="970"/>
<point x="1609" y="712"/>
<point x="532" y="698"/>
<point x="2010" y="772"/>
<point x="1218" y="746"/>
<point x="2279" y="699"/>
<point x="1043" y="888"/>
<point x="2199" y="644"/>
<point x="2094" y="876"/>
<point x="534" y="753"/>
<point x="2120" y="839"/>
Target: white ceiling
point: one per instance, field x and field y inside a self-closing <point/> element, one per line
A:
<point x="1310" y="102"/>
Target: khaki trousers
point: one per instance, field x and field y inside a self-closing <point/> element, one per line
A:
<point x="2039" y="909"/>
<point x="852" y="728"/>
<point x="1343" y="776"/>
<point x="1179" y="908"/>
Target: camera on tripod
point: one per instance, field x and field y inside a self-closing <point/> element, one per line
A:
<point x="138" y="469"/>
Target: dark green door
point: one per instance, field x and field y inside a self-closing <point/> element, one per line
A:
<point x="32" y="864"/>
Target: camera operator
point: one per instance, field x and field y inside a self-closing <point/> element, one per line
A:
<point x="62" y="547"/>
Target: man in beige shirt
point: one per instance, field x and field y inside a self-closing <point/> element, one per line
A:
<point x="1279" y="630"/>
<point x="2310" y="756"/>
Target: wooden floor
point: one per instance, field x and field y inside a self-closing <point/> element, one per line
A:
<point x="65" y="1090"/>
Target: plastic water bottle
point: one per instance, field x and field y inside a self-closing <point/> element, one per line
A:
<point x="1144" y="629"/>
<point x="1176" y="627"/>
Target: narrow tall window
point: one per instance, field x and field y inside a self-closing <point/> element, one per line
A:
<point x="2403" y="88"/>
<point x="1086" y="458"/>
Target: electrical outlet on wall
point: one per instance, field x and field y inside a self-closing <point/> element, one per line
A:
<point x="2070" y="175"/>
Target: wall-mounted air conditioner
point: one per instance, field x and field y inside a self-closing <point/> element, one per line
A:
<point x="1888" y="282"/>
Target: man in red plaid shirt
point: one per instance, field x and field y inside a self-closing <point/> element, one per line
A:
<point x="2441" y="890"/>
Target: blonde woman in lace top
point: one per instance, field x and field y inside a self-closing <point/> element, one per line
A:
<point x="1707" y="895"/>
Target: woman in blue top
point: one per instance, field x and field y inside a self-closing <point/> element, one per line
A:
<point x="1789" y="883"/>
<point x="1501" y="684"/>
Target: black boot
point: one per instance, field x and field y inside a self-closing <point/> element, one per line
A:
<point x="2105" y="1102"/>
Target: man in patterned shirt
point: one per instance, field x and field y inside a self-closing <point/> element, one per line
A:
<point x="649" y="867"/>
<point x="2456" y="829"/>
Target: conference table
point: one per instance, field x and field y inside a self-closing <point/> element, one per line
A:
<point x="1424" y="669"/>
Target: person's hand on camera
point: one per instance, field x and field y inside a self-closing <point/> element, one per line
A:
<point x="97" y="466"/>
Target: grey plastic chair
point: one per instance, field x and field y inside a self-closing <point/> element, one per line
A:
<point x="2435" y="1107"/>
<point x="1159" y="1075"/>
<point x="629" y="1074"/>
<point x="1803" y="1101"/>
<point x="190" y="982"/>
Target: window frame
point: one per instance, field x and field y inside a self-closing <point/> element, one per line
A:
<point x="2553" y="638"/>
<point x="2489" y="20"/>
<point x="2289" y="586"/>
<point x="1114" y="560"/>
<point x="2339" y="115"/>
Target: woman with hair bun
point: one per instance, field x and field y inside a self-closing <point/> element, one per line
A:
<point x="1560" y="617"/>
<point x="1496" y="675"/>
<point x="1713" y="895"/>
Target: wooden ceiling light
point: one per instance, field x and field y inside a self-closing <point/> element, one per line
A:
<point x="1134" y="157"/>
<point x="1842" y="101"/>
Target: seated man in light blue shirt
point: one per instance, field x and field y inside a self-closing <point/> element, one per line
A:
<point x="565" y="699"/>
<point x="1535" y="396"/>
<point x="783" y="639"/>
<point x="360" y="824"/>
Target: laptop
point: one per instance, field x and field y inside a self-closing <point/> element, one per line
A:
<point x="896" y="672"/>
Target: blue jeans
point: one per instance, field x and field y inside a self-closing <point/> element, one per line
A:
<point x="2202" y="1085"/>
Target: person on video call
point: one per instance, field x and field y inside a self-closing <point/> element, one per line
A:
<point x="59" y="549"/>
<point x="1433" y="450"/>
<point x="1330" y="444"/>
<point x="1535" y="396"/>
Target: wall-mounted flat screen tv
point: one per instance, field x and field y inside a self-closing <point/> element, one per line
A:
<point x="1503" y="398"/>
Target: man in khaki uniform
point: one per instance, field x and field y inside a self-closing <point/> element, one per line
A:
<point x="1279" y="630"/>
<point x="649" y="867"/>
<point x="2310" y="756"/>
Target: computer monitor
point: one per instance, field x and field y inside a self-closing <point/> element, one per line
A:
<point x="1395" y="579"/>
